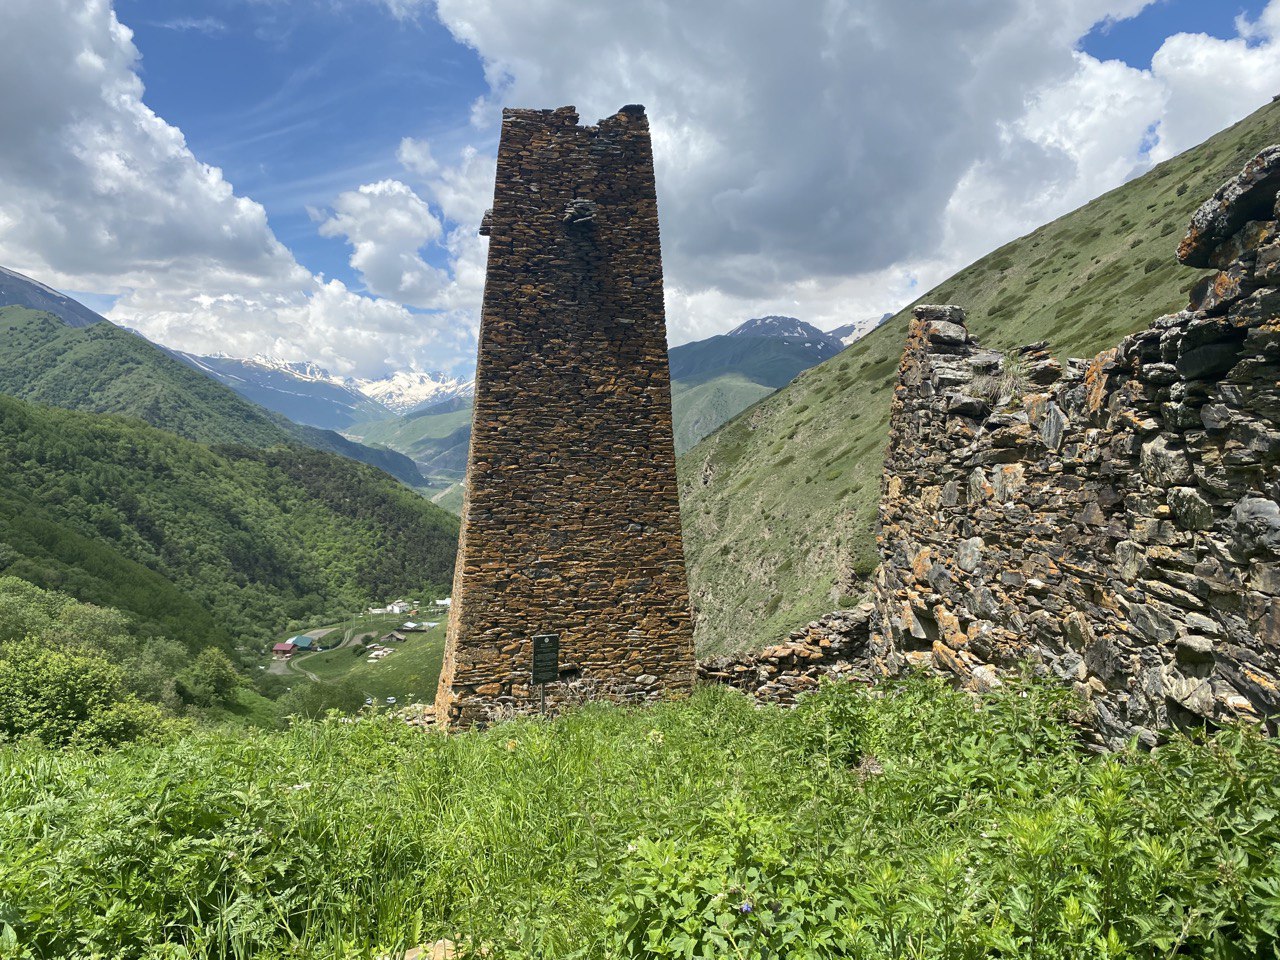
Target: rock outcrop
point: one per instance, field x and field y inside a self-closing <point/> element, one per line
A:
<point x="1116" y="522"/>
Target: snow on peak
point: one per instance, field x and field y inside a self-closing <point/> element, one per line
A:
<point x="401" y="392"/>
<point x="302" y="369"/>
<point x="856" y="330"/>
<point x="775" y="326"/>
<point x="409" y="390"/>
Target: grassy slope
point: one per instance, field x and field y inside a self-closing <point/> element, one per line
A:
<point x="106" y="369"/>
<point x="451" y="498"/>
<point x="698" y="409"/>
<point x="779" y="505"/>
<point x="410" y="672"/>
<point x="255" y="537"/>
<point x="982" y="832"/>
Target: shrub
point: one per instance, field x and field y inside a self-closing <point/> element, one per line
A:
<point x="61" y="697"/>
<point x="999" y="388"/>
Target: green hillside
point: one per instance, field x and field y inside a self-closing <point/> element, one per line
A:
<point x="206" y="542"/>
<point x="106" y="369"/>
<point x="714" y="379"/>
<point x="699" y="408"/>
<point x="779" y="506"/>
<point x="435" y="437"/>
<point x="451" y="497"/>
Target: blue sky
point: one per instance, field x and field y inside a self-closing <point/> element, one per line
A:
<point x="304" y="178"/>
<point x="297" y="103"/>
<point x="1136" y="39"/>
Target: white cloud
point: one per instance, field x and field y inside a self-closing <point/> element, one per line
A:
<point x="416" y="155"/>
<point x="211" y="26"/>
<point x="828" y="159"/>
<point x="387" y="224"/>
<point x="404" y="9"/>
<point x="98" y="193"/>
<point x="833" y="159"/>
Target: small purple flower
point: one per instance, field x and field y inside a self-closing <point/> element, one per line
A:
<point x="745" y="907"/>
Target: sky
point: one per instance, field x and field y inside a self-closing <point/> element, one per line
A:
<point x="304" y="178"/>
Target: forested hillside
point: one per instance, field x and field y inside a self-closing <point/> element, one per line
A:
<point x="215" y="541"/>
<point x="106" y="369"/>
<point x="779" y="506"/>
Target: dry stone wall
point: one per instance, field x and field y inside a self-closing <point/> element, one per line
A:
<point x="1116" y="522"/>
<point x="833" y="647"/>
<point x="571" y="525"/>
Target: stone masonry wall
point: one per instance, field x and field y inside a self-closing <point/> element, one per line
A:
<point x="1115" y="522"/>
<point x="571" y="524"/>
<point x="829" y="648"/>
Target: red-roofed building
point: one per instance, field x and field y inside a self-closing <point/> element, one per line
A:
<point x="285" y="649"/>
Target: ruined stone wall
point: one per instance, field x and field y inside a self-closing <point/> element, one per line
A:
<point x="833" y="647"/>
<point x="1116" y="522"/>
<point x="571" y="524"/>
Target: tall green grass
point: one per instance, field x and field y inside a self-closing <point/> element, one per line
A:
<point x="914" y="822"/>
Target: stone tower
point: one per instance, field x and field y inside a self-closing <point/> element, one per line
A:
<point x="571" y="526"/>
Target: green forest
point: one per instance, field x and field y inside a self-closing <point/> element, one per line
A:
<point x="216" y="542"/>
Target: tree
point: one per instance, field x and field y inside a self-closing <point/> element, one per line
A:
<point x="210" y="680"/>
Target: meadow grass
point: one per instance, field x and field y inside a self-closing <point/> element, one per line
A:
<point x="910" y="822"/>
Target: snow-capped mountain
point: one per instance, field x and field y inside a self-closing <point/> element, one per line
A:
<point x="775" y="326"/>
<point x="856" y="330"/>
<point x="306" y="392"/>
<point x="408" y="391"/>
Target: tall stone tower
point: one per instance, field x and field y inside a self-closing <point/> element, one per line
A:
<point x="571" y="526"/>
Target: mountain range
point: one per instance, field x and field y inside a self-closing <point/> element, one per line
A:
<point x="413" y="425"/>
<point x="103" y="368"/>
<point x="427" y="416"/>
<point x="712" y="380"/>
<point x="133" y="481"/>
<point x="307" y="393"/>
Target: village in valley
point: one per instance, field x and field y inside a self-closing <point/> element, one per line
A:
<point x="391" y="653"/>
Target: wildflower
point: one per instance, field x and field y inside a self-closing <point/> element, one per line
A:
<point x="511" y="746"/>
<point x="632" y="848"/>
<point x="655" y="736"/>
<point x="745" y="907"/>
<point x="301" y="786"/>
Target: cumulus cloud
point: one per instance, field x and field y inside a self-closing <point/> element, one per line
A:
<point x="792" y="143"/>
<point x="387" y="225"/>
<point x="833" y="158"/>
<point x="830" y="160"/>
<point x="416" y="155"/>
<point x="99" y="193"/>
<point x="390" y="225"/>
